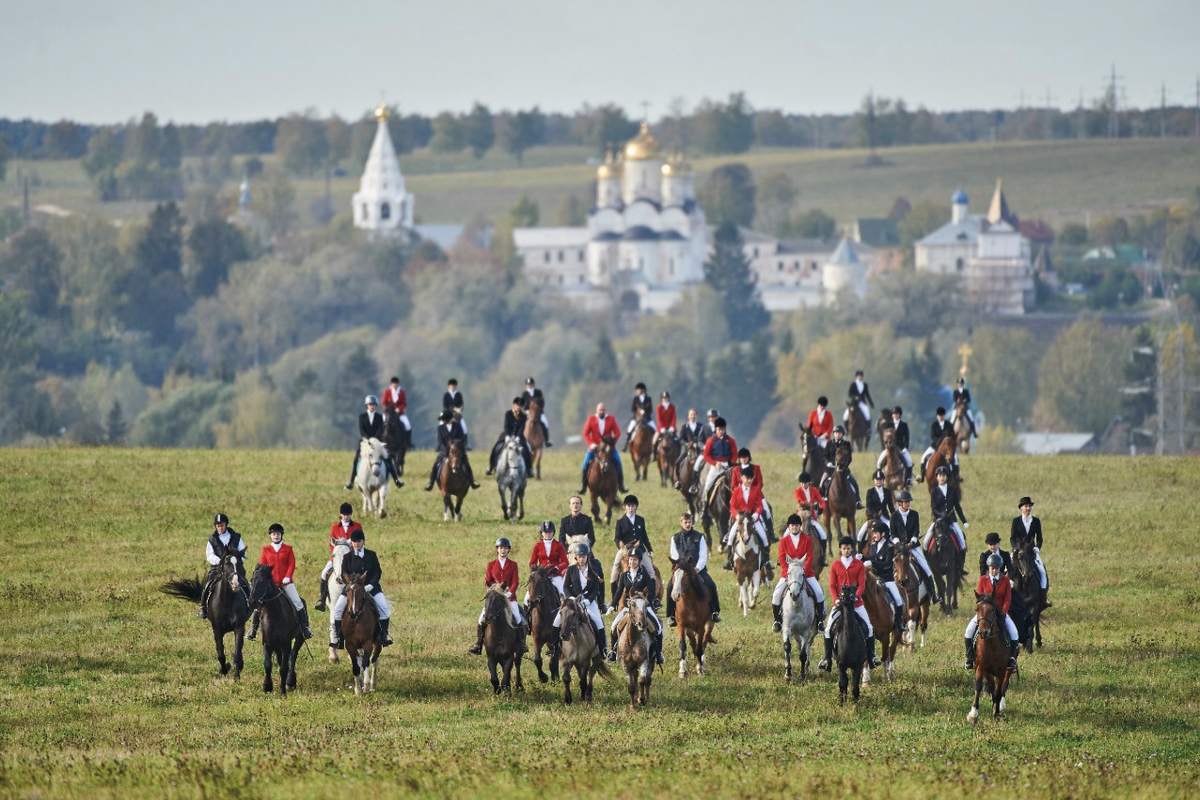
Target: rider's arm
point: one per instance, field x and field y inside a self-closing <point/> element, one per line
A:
<point x="702" y="558"/>
<point x="209" y="555"/>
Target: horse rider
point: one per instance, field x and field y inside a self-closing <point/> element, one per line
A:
<point x="1018" y="610"/>
<point x="502" y="570"/>
<point x="859" y="393"/>
<point x="808" y="497"/>
<point x="879" y="558"/>
<point x="597" y="427"/>
<point x="356" y="562"/>
<point x="692" y="430"/>
<point x="997" y="584"/>
<point x="371" y="426"/>
<point x="905" y="530"/>
<point x="514" y="425"/>
<point x="820" y="422"/>
<point x="795" y="545"/>
<point x="720" y="453"/>
<point x="283" y="569"/>
<point x="630" y="529"/>
<point x="963" y="394"/>
<point x="746" y="497"/>
<point x="342" y="529"/>
<point x="223" y="540"/>
<point x="452" y="401"/>
<point x="549" y="553"/>
<point x="664" y="418"/>
<point x="847" y="571"/>
<point x="450" y="430"/>
<point x="533" y="393"/>
<point x="636" y="579"/>
<point x="881" y="505"/>
<point x="395" y="399"/>
<point x="745" y="460"/>
<point x="577" y="524"/>
<point x="900" y="438"/>
<point x="708" y="431"/>
<point x="690" y="548"/>
<point x="1027" y="528"/>
<point x="945" y="502"/>
<point x="641" y="402"/>
<point x="587" y="587"/>
<point x="939" y="429"/>
<point x="839" y="444"/>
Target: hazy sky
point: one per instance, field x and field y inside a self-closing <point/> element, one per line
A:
<point x="109" y="60"/>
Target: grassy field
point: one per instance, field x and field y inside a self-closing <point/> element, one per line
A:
<point x="1057" y="180"/>
<point x="109" y="689"/>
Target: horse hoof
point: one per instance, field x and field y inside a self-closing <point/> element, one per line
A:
<point x="973" y="716"/>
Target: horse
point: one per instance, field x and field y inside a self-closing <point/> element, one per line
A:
<point x="812" y="453"/>
<point x="543" y="605"/>
<point x="716" y="506"/>
<point x="799" y="619"/>
<point x="916" y="599"/>
<point x="358" y="629"/>
<point x="819" y="547"/>
<point x="534" y="435"/>
<point x="944" y="561"/>
<point x="850" y="644"/>
<point x="602" y="480"/>
<point x="656" y="598"/>
<point x="372" y="478"/>
<point x="634" y="645"/>
<point x="281" y="637"/>
<point x="501" y="639"/>
<point x="943" y="456"/>
<point x="667" y="456"/>
<point x="748" y="559"/>
<point x="511" y="479"/>
<point x="893" y="463"/>
<point x="453" y="482"/>
<point x="1028" y="582"/>
<point x="692" y="615"/>
<point x="641" y="446"/>
<point x="839" y="505"/>
<point x="857" y="426"/>
<point x="228" y="608"/>
<point x="689" y="478"/>
<point x="578" y="650"/>
<point x="962" y="427"/>
<point x="883" y="620"/>
<point x="395" y="437"/>
<point x="991" y="658"/>
<point x="334" y="584"/>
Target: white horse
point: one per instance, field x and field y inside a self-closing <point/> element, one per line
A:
<point x="799" y="618"/>
<point x="340" y="548"/>
<point x="511" y="479"/>
<point x="372" y="477"/>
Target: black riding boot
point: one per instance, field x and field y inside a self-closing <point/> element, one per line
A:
<point x="602" y="641"/>
<point x="931" y="589"/>
<point x="658" y="645"/>
<point x="470" y="473"/>
<point x="871" y="659"/>
<point x="827" y="662"/>
<point x="1013" y="649"/>
<point x="621" y="479"/>
<point x="323" y="596"/>
<point x="477" y="648"/>
<point x="494" y="457"/>
<point x="583" y="483"/>
<point x="777" y="612"/>
<point x="670" y="609"/>
<point x="381" y="633"/>
<point x="408" y="444"/>
<point x="391" y="470"/>
<point x="546" y="434"/>
<point x="353" y="471"/>
<point x="305" y="630"/>
<point x="908" y="478"/>
<point x="921" y="475"/>
<point x="820" y="615"/>
<point x="728" y="558"/>
<point x="970" y="645"/>
<point x="433" y="474"/>
<point x="340" y="643"/>
<point x="254" y="622"/>
<point x="204" y="595"/>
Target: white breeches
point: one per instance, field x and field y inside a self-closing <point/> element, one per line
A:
<point x="820" y="530"/>
<point x="293" y="595"/>
<point x="836" y="611"/>
<point x="863" y="407"/>
<point x="711" y="477"/>
<point x="325" y="573"/>
<point x="554" y="579"/>
<point x="969" y="633"/>
<point x="516" y="612"/>
<point x="958" y="534"/>
<point x="917" y="555"/>
<point x="1037" y="560"/>
<point x="759" y="528"/>
<point x="823" y="441"/>
<point x="903" y="454"/>
<point x="463" y="423"/>
<point x="618" y="566"/>
<point x="545" y="422"/>
<point x="633" y="424"/>
<point x="381" y="603"/>
<point x="954" y="413"/>
<point x="699" y="465"/>
<point x="781" y="589"/>
<point x="593" y="612"/>
<point x="624" y="610"/>
<point x="896" y="599"/>
<point x="404" y="421"/>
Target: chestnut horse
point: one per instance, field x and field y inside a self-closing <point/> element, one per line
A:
<point x="943" y="456"/>
<point x="962" y="427"/>
<point x="991" y="658"/>
<point x="839" y="505"/>
<point x="602" y="480"/>
<point x="543" y="605"/>
<point x="748" y="562"/>
<point x="453" y="482"/>
<point x="667" y="455"/>
<point x="693" y="615"/>
<point x="358" y="629"/>
<point x="893" y="463"/>
<point x="916" y="599"/>
<point x="689" y="478"/>
<point x="501" y="639"/>
<point x="534" y="436"/>
<point x="883" y="620"/>
<point x="641" y="446"/>
<point x="656" y="598"/>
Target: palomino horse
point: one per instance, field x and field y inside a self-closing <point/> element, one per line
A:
<point x="228" y="608"/>
<point x="716" y="506"/>
<point x="667" y="456"/>
<point x="962" y="427"/>
<point x="916" y="599"/>
<point x="543" y="605"/>
<point x="945" y="563"/>
<point x="812" y="454"/>
<point x="334" y="584"/>
<point x="893" y="462"/>
<point x="693" y="615"/>
<point x="858" y="428"/>
<point x="943" y="456"/>
<point x="358" y="628"/>
<point x="535" y="437"/>
<point x="372" y="477"/>
<point x="396" y="439"/>
<point x="602" y="480"/>
<point x="991" y="658"/>
<point x="748" y="562"/>
<point x="1028" y="582"/>
<point x="501" y="639"/>
<point x="839" y="505"/>
<point x="849" y="643"/>
<point x="634" y="645"/>
<point x="578" y="650"/>
<point x="280" y="632"/>
<point x="799" y="619"/>
<point x="511" y="479"/>
<point x="689" y="479"/>
<point x="808" y="527"/>
<point x="883" y="620"/>
<point x="453" y="482"/>
<point x="641" y="446"/>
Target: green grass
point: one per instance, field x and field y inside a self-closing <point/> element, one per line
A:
<point x="109" y="689"/>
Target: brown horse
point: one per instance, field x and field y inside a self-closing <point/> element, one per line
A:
<point x="693" y="615"/>
<point x="635" y="641"/>
<point x="602" y="480"/>
<point x="748" y="562"/>
<point x="839" y="505"/>
<point x="534" y="436"/>
<point x="883" y="621"/>
<point x="579" y="650"/>
<point x="962" y="427"/>
<point x="656" y="598"/>
<point x="1028" y="582"/>
<point x="641" y="446"/>
<point x="689" y="478"/>
<point x="858" y="428"/>
<point x="716" y="506"/>
<point x="916" y="599"/>
<point x="812" y="454"/>
<point x="943" y="456"/>
<point x="893" y="463"/>
<point x="991" y="658"/>
<point x="666" y="453"/>
<point x="946" y="563"/>
<point x="543" y="605"/>
<point x="502" y="639"/>
<point x="818" y="547"/>
<point x="358" y="629"/>
<point x="453" y="482"/>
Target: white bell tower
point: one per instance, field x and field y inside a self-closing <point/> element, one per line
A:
<point x="381" y="205"/>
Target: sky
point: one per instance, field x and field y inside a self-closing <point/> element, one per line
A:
<point x="104" y="61"/>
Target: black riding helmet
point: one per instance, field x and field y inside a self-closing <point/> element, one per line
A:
<point x="219" y="519"/>
<point x="275" y="526"/>
<point x="357" y="535"/>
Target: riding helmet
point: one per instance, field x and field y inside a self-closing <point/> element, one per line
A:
<point x="992" y="538"/>
<point x="445" y="416"/>
<point x="845" y="540"/>
<point x="840" y="429"/>
<point x="220" y="518"/>
<point x="357" y="535"/>
<point x="747" y="471"/>
<point x="961" y="381"/>
<point x="577" y="549"/>
<point x="897" y="411"/>
<point x="994" y="560"/>
<point x="641" y="386"/>
<point x="637" y="553"/>
<point x="371" y="400"/>
<point x="878" y="476"/>
<point x="395" y="379"/>
<point x="1025" y="501"/>
<point x="631" y="500"/>
<point x="665" y="396"/>
<point x="452" y="382"/>
<point x="529" y="381"/>
<point x="504" y="542"/>
<point x="822" y="400"/>
<point x="547" y="526"/>
<point x="744" y="453"/>
<point x="720" y="423"/>
<point x="804" y="477"/>
<point x="794" y="519"/>
<point x="275" y="526"/>
<point x="904" y="497"/>
<point x="942" y="471"/>
<point x="346" y="508"/>
<point x="518" y="400"/>
<point x="880" y="525"/>
<point x="712" y="412"/>
<point x="858" y="373"/>
<point x="941" y="412"/>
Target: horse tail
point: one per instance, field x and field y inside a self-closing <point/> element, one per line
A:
<point x="601" y="669"/>
<point x="189" y="589"/>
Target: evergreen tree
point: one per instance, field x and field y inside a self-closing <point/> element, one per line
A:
<point x="359" y="378"/>
<point x="922" y="375"/>
<point x="604" y="362"/>
<point x="480" y="130"/>
<point x="115" y="426"/>
<point x="420" y="414"/>
<point x="728" y="272"/>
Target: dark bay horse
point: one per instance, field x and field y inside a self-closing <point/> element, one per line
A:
<point x="602" y="480"/>
<point x="667" y="455"/>
<point x="579" y="650"/>
<point x="693" y="614"/>
<point x="453" y="482"/>
<point x="849" y="644"/>
<point x="280" y="628"/>
<point x="641" y="446"/>
<point x="883" y="620"/>
<point x="839" y="505"/>
<point x="916" y="600"/>
<point x="395" y="437"/>
<point x="945" y="563"/>
<point x="359" y="624"/>
<point x="535" y="436"/>
<point x="991" y="658"/>
<point x="716" y="505"/>
<point x="857" y="427"/>
<point x="688" y="478"/>
<point x="812" y="454"/>
<point x="543" y="605"/>
<point x="893" y="463"/>
<point x="501" y="639"/>
<point x="1028" y="582"/>
<point x="228" y="608"/>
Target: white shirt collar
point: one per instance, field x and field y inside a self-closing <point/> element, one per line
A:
<point x="276" y="546"/>
<point x="846" y="561"/>
<point x="502" y="561"/>
<point x="224" y="537"/>
<point x="548" y="543"/>
<point x="631" y="517"/>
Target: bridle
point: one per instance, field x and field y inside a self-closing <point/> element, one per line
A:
<point x="261" y="601"/>
<point x="989" y="616"/>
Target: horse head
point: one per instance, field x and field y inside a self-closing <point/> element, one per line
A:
<point x="495" y="604"/>
<point x="1023" y="562"/>
<point x="745" y="526"/>
<point x="985" y="613"/>
<point x="261" y="583"/>
<point x="356" y="593"/>
<point x="228" y="570"/>
<point x="569" y="622"/>
<point x="637" y="611"/>
<point x="849" y="596"/>
<point x="795" y="576"/>
<point x="539" y="585"/>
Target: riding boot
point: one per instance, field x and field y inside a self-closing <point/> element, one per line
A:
<point x="728" y="558"/>
<point x="471" y="476"/>
<point x="777" y="612"/>
<point x="1012" y="654"/>
<point x="970" y="646"/>
<point x="931" y="589"/>
<point x="353" y="472"/>
<point x="477" y="648"/>
<point x="340" y="644"/>
<point x="203" y="612"/>
<point x="583" y="483"/>
<point x="621" y="479"/>
<point x="432" y="476"/>
<point x="253" y="627"/>
<point x="871" y="659"/>
<point x="908" y="476"/>
<point x="827" y="662"/>
<point x="670" y="609"/>
<point x="305" y="630"/>
<point x="408" y="439"/>
<point x="658" y="647"/>
<point x="602" y="639"/>
<point x="820" y="615"/>
<point x="546" y="435"/>
<point x="391" y="470"/>
<point x="324" y="595"/>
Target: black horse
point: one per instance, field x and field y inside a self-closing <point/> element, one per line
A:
<point x="849" y="643"/>
<point x="1027" y="583"/>
<point x="395" y="437"/>
<point x="945" y="562"/>
<point x="228" y="607"/>
<point x="281" y="637"/>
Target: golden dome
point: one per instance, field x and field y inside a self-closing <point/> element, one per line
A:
<point x="381" y="113"/>
<point x="608" y="169"/>
<point x="642" y="147"/>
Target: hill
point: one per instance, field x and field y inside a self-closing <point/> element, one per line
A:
<point x="108" y="688"/>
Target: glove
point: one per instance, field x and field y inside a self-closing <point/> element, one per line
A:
<point x="1035" y="550"/>
<point x="286" y="581"/>
<point x="966" y="525"/>
<point x="895" y="541"/>
<point x="369" y="587"/>
<point x="858" y="557"/>
<point x="866" y="563"/>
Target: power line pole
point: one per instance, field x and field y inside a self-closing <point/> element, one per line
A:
<point x="1162" y="113"/>
<point x="1048" y="118"/>
<point x="1114" y="128"/>
<point x="1198" y="107"/>
<point x="1081" y="124"/>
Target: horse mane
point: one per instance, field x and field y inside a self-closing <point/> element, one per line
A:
<point x="697" y="585"/>
<point x="497" y="592"/>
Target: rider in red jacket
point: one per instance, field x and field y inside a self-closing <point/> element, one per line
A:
<point x="283" y="568"/>
<point x="997" y="584"/>
<point x="598" y="427"/>
<point x="847" y="571"/>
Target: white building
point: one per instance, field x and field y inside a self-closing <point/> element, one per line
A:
<point x="843" y="272"/>
<point x="381" y="206"/>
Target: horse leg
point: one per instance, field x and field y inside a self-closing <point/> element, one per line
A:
<point x="446" y="508"/>
<point x="521" y="502"/>
<point x="506" y="683"/>
<point x="973" y="714"/>
<point x="683" y="670"/>
<point x="219" y="638"/>
<point x="268" y="655"/>
<point x="787" y="655"/>
<point x="858" y="673"/>
<point x="458" y="508"/>
<point x="503" y="502"/>
<point x="566" y="678"/>
<point x="537" y="661"/>
<point x="492" y="672"/>
<point x="843" y="683"/>
<point x="239" y="634"/>
<point x="356" y="670"/>
<point x="295" y="651"/>
<point x="755" y="584"/>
